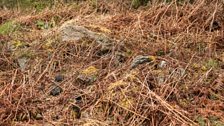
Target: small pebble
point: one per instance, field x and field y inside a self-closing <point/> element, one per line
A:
<point x="76" y="111"/>
<point x="39" y="117"/>
<point x="162" y="64"/>
<point x="56" y="91"/>
<point x="141" y="59"/>
<point x="59" y="78"/>
<point x="78" y="99"/>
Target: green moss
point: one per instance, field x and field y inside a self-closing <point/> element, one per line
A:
<point x="45" y="24"/>
<point x="211" y="63"/>
<point x="27" y="53"/>
<point x="7" y="27"/>
<point x="40" y="5"/>
<point x="213" y="96"/>
<point x="160" y="53"/>
<point x="201" y="121"/>
<point x="137" y="3"/>
<point x="40" y="24"/>
<point x="94" y="3"/>
<point x="215" y="121"/>
<point x="25" y="4"/>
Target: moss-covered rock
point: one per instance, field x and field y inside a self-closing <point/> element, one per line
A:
<point x="141" y="59"/>
<point x="88" y="75"/>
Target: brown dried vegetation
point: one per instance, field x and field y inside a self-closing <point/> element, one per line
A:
<point x="188" y="37"/>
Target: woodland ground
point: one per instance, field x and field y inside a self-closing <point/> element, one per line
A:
<point x="188" y="90"/>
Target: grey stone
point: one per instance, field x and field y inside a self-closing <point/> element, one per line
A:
<point x="76" y="111"/>
<point x="140" y="60"/>
<point x="22" y="63"/>
<point x="88" y="75"/>
<point x="161" y="79"/>
<point x="72" y="32"/>
<point x="162" y="64"/>
<point x="56" y="91"/>
<point x="59" y="78"/>
<point x="39" y="117"/>
<point x="86" y="79"/>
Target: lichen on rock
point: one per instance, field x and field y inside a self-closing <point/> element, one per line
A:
<point x="70" y="31"/>
<point x="141" y="59"/>
<point x="88" y="75"/>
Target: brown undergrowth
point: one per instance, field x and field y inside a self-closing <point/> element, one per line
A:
<point x="189" y="90"/>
